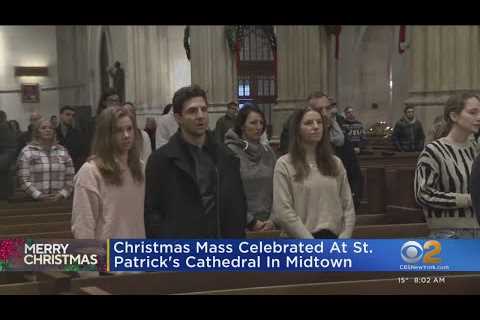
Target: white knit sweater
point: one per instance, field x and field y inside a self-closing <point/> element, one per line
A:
<point x="318" y="202"/>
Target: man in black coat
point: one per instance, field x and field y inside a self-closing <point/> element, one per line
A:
<point x="7" y="157"/>
<point x="26" y="137"/>
<point x="70" y="137"/>
<point x="193" y="184"/>
<point x="475" y="187"/>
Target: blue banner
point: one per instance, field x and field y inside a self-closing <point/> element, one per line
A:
<point x="293" y="255"/>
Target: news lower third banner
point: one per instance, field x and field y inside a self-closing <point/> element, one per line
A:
<point x="271" y="255"/>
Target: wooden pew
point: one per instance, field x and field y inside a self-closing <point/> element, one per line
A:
<point x="6" y="230"/>
<point x="390" y="231"/>
<point x="94" y="291"/>
<point x="41" y="235"/>
<point x="454" y="284"/>
<point x="376" y="190"/>
<point x="394" y="217"/>
<point x="33" y="204"/>
<point x="36" y="218"/>
<point x="44" y="283"/>
<point x="184" y="282"/>
<point x="389" y="159"/>
<point x="34" y="211"/>
<point x="12" y="277"/>
<point x="389" y="187"/>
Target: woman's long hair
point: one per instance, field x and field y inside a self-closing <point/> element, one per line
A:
<point x="323" y="152"/>
<point x="455" y="104"/>
<point x="104" y="147"/>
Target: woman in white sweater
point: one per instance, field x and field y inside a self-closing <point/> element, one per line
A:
<point x="311" y="194"/>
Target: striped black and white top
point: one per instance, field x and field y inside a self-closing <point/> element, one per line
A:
<point x="442" y="184"/>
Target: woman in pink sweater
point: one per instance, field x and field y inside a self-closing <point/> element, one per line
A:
<point x="110" y="187"/>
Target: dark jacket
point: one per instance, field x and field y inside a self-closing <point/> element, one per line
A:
<point x="408" y="136"/>
<point x="7" y="147"/>
<point x="8" y="155"/>
<point x="223" y="124"/>
<point x="352" y="166"/>
<point x="75" y="144"/>
<point x="475" y="187"/>
<point x="24" y="138"/>
<point x="355" y="132"/>
<point x="173" y="204"/>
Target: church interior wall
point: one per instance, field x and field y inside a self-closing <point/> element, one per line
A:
<point x="28" y="46"/>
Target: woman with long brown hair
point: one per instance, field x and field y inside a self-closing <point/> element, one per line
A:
<point x="443" y="173"/>
<point x="110" y="187"/>
<point x="311" y="193"/>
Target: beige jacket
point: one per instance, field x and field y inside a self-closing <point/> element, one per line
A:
<point x="318" y="202"/>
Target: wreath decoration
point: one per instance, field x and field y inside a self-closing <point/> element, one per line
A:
<point x="236" y="33"/>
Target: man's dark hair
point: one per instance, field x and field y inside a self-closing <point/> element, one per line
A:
<point x="65" y="108"/>
<point x="107" y="93"/>
<point x="316" y="94"/>
<point x="3" y="116"/>
<point x="243" y="115"/>
<point x="407" y="108"/>
<point x="232" y="103"/>
<point x="186" y="93"/>
<point x="347" y="108"/>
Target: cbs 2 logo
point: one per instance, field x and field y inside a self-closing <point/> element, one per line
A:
<point x="412" y="252"/>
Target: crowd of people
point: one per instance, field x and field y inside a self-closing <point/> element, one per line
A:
<point x="178" y="179"/>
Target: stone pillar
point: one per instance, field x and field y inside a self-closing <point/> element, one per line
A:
<point x="148" y="72"/>
<point x="213" y="68"/>
<point x="302" y="57"/>
<point x="444" y="60"/>
<point x="72" y="53"/>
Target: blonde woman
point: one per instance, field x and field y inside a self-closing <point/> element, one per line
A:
<point x="44" y="168"/>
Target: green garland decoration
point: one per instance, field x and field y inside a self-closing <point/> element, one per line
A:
<point x="332" y="29"/>
<point x="186" y="41"/>
<point x="237" y="33"/>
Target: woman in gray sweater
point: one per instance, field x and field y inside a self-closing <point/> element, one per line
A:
<point x="257" y="161"/>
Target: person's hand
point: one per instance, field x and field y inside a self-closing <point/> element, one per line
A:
<point x="47" y="197"/>
<point x="51" y="197"/>
<point x="258" y="226"/>
<point x="58" y="197"/>
<point x="268" y="226"/>
<point x="357" y="150"/>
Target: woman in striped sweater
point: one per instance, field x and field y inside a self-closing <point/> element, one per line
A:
<point x="442" y="178"/>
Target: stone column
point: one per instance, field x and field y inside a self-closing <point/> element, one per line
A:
<point x="302" y="68"/>
<point x="213" y="68"/>
<point x="444" y="60"/>
<point x="148" y="78"/>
